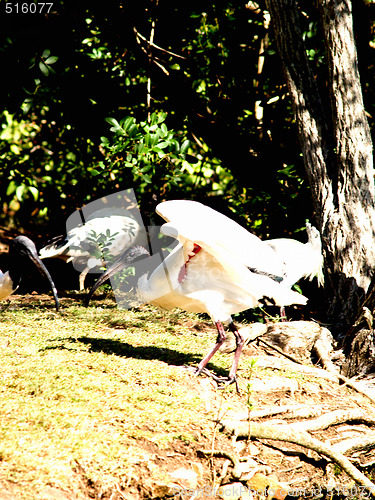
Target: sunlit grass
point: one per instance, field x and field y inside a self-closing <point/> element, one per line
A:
<point x="86" y="385"/>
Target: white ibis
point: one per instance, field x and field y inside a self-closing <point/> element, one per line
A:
<point x="22" y="252"/>
<point x="83" y="244"/>
<point x="302" y="260"/>
<point x="217" y="268"/>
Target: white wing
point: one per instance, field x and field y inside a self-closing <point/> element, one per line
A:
<point x="220" y="235"/>
<point x="251" y="264"/>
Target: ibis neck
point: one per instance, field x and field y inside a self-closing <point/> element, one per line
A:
<point x="15" y="275"/>
<point x="193" y="253"/>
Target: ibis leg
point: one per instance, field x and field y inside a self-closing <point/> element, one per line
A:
<point x="219" y="341"/>
<point x="282" y="313"/>
<point x="82" y="278"/>
<point x="239" y="343"/>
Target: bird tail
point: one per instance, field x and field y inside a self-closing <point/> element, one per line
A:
<point x="55" y="248"/>
<point x="315" y="241"/>
<point x="318" y="274"/>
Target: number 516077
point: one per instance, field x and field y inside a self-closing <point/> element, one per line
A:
<point x="28" y="8"/>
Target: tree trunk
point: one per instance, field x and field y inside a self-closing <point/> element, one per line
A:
<point x="337" y="151"/>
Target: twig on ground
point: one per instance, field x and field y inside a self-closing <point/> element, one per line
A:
<point x="280" y="351"/>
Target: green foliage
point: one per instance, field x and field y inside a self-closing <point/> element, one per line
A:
<point x="16" y="141"/>
<point x="222" y="126"/>
<point x="152" y="152"/>
<point x="100" y="244"/>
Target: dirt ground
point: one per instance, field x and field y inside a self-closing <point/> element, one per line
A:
<point x="270" y="468"/>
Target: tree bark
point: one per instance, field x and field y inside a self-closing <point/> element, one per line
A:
<point x="337" y="149"/>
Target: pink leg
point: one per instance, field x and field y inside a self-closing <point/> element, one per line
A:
<point x="283" y="313"/>
<point x="219" y="342"/>
<point x="237" y="353"/>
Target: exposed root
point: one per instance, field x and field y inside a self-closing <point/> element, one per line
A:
<point x="302" y="438"/>
<point x="349" y="446"/>
<point x="322" y="346"/>
<point x="320" y="349"/>
<point x="282" y="364"/>
<point x="334" y="418"/>
<point x="236" y="473"/>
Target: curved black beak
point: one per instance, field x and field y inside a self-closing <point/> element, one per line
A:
<point x="21" y="251"/>
<point x="126" y="259"/>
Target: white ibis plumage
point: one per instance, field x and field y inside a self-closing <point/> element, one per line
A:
<point x="302" y="260"/>
<point x="80" y="247"/>
<point x="218" y="268"/>
<point x="22" y="252"/>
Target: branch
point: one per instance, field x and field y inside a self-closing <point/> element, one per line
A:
<point x="280" y="351"/>
<point x="153" y="45"/>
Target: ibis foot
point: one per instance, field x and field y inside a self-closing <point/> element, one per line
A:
<point x="222" y="382"/>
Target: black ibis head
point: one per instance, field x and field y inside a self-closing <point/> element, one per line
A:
<point x="22" y="251"/>
<point x="127" y="258"/>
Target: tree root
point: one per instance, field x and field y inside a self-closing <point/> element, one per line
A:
<point x="282" y="364"/>
<point x="289" y="434"/>
<point x="236" y="473"/>
<point x="349" y="446"/>
<point x="320" y="347"/>
<point x="331" y="368"/>
<point x="334" y="418"/>
<point x="292" y="411"/>
<point x="280" y="351"/>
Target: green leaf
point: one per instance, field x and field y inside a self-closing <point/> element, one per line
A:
<point x="161" y="117"/>
<point x="297" y="288"/>
<point x="132" y="131"/>
<point x="159" y="151"/>
<point x="127" y="122"/>
<point x="43" y="68"/>
<point x="34" y="191"/>
<point x="95" y="172"/>
<point x="11" y="188"/>
<point x="20" y="190"/>
<point x="164" y="144"/>
<point x="185" y="145"/>
<point x="146" y="168"/>
<point x="153" y="119"/>
<point x="51" y="60"/>
<point x="112" y="121"/>
<point x="147" y="178"/>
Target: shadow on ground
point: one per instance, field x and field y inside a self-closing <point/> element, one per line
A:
<point x="164" y="354"/>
